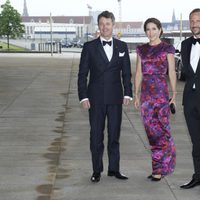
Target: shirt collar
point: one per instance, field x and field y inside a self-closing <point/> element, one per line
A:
<point x="103" y="39"/>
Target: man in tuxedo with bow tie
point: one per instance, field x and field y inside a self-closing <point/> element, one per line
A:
<point x="190" y="54"/>
<point x="105" y="62"/>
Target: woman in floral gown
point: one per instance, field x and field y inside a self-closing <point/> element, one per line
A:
<point x="155" y="60"/>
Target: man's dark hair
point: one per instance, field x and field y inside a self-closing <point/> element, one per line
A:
<point x="193" y="11"/>
<point x="106" y="14"/>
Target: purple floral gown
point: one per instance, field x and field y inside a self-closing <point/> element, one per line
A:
<point x="155" y="106"/>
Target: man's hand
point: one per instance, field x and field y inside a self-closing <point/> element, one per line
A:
<point x="126" y="101"/>
<point x="85" y="104"/>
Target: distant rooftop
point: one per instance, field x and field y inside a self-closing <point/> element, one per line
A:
<point x="59" y="19"/>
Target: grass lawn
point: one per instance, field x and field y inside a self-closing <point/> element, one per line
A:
<point x="11" y="47"/>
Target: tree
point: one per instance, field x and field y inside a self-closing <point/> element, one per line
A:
<point x="10" y="22"/>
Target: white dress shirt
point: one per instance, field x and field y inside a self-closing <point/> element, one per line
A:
<point x="195" y="55"/>
<point x="107" y="48"/>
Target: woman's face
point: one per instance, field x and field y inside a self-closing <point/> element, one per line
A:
<point x="152" y="31"/>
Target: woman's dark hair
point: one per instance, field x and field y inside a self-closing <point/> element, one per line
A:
<point x="154" y="21"/>
<point x="106" y="14"/>
<point x="193" y="11"/>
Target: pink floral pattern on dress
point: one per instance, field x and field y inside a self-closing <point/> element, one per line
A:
<point x="155" y="106"/>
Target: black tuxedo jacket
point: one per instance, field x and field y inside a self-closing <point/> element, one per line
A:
<point x="191" y="76"/>
<point x="108" y="81"/>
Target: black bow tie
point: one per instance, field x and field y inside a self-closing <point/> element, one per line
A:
<point x="195" y="40"/>
<point x="109" y="43"/>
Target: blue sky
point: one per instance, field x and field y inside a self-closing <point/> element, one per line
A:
<point x="132" y="10"/>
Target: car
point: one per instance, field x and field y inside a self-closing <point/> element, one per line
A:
<point x="66" y="44"/>
<point x="49" y="42"/>
<point x="179" y="66"/>
<point x="77" y="43"/>
<point x="178" y="63"/>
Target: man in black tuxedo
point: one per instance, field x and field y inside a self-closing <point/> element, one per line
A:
<point x="190" y="54"/>
<point x="106" y="61"/>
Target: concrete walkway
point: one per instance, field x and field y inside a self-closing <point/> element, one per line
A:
<point x="44" y="139"/>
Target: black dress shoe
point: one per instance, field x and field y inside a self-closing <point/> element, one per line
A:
<point x="150" y="176"/>
<point x="191" y="184"/>
<point x="117" y="175"/>
<point x="95" y="177"/>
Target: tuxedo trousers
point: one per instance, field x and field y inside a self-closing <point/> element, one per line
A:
<point x="192" y="116"/>
<point x="98" y="114"/>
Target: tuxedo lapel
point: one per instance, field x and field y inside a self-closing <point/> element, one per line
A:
<point x="115" y="51"/>
<point x="189" y="47"/>
<point x="198" y="66"/>
<point x="188" y="51"/>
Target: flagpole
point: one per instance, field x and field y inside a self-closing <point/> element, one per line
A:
<point x="51" y="35"/>
<point x="181" y="26"/>
<point x="89" y="9"/>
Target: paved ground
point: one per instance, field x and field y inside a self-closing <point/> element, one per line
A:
<point x="44" y="139"/>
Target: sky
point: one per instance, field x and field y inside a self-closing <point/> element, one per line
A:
<point x="131" y="10"/>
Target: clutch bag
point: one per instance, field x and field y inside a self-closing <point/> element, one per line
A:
<point x="172" y="107"/>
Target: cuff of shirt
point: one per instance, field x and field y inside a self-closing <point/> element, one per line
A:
<point x="83" y="100"/>
<point x="127" y="97"/>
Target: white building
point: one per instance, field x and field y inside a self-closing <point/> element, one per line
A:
<point x="63" y="27"/>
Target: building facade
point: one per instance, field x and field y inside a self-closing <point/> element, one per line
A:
<point x="86" y="27"/>
<point x="61" y="27"/>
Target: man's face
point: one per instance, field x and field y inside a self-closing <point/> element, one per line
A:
<point x="106" y="27"/>
<point x="195" y="24"/>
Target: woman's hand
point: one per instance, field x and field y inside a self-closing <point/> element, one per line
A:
<point x="173" y="99"/>
<point x="137" y="102"/>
